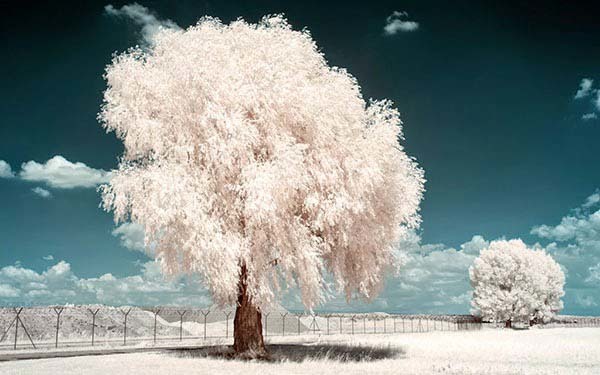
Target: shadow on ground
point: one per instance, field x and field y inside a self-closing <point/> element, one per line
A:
<point x="301" y="353"/>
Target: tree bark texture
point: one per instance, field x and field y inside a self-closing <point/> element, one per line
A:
<point x="247" y="326"/>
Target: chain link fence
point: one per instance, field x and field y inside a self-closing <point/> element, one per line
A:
<point x="573" y="322"/>
<point x="78" y="326"/>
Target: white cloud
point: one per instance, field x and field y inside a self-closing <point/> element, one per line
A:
<point x="6" y="170"/>
<point x="583" y="228"/>
<point x="475" y="245"/>
<point x="48" y="257"/>
<point x="41" y="192"/>
<point x="576" y="247"/>
<point x="7" y="291"/>
<point x="585" y="88"/>
<point x="433" y="279"/>
<point x="60" y="173"/>
<point x="142" y="16"/>
<point x="592" y="200"/>
<point x="398" y="22"/>
<point x="131" y="236"/>
<point x="58" y="285"/>
<point x="594" y="276"/>
<point x="586" y="301"/>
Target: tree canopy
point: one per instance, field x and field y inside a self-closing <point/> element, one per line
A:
<point x="243" y="147"/>
<point x="512" y="282"/>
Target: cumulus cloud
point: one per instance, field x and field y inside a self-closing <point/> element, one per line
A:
<point x="7" y="291"/>
<point x="143" y="17"/>
<point x="594" y="277"/>
<point x="575" y="244"/>
<point x="59" y="285"/>
<point x="6" y="170"/>
<point x="585" y="88"/>
<point x="41" y="192"/>
<point x="433" y="279"/>
<point x="582" y="227"/>
<point x="131" y="236"/>
<point x="398" y="22"/>
<point x="592" y="200"/>
<point x="60" y="173"/>
<point x="48" y="257"/>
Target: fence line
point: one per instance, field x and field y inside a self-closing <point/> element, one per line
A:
<point x="69" y="326"/>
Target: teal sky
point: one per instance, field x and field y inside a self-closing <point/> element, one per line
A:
<point x="487" y="95"/>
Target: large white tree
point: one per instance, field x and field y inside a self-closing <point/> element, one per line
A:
<point x="514" y="283"/>
<point x="250" y="161"/>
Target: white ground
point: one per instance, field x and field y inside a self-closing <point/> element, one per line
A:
<point x="489" y="351"/>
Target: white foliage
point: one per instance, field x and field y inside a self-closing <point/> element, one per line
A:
<point x="516" y="283"/>
<point x="242" y="146"/>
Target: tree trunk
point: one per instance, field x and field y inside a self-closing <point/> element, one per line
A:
<point x="508" y="324"/>
<point x="247" y="325"/>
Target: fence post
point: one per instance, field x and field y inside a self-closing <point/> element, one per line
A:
<point x="93" y="323"/>
<point x="365" y="323"/>
<point x="299" y="315"/>
<point x="283" y="323"/>
<point x="227" y="323"/>
<point x="17" y="320"/>
<point x="205" y="315"/>
<point x="327" y="317"/>
<point x="27" y="333"/>
<point x="181" y="314"/>
<point x="384" y="325"/>
<point x="126" y="314"/>
<point x="340" y="324"/>
<point x="267" y="323"/>
<point x="374" y="324"/>
<point x="156" y="311"/>
<point x="58" y="311"/>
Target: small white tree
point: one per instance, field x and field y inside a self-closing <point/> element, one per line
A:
<point x="249" y="161"/>
<point x="513" y="283"/>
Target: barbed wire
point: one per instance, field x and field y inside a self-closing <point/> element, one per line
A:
<point x="81" y="325"/>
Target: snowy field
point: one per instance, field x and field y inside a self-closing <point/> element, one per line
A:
<point x="488" y="351"/>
